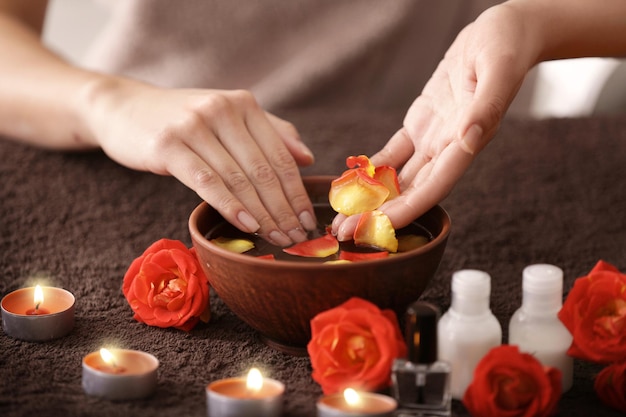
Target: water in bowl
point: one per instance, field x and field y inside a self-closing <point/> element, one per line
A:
<point x="325" y="215"/>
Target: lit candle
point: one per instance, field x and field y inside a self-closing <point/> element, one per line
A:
<point x="37" y="301"/>
<point x="119" y="374"/>
<point x="351" y="403"/>
<point x="24" y="316"/>
<point x="253" y="395"/>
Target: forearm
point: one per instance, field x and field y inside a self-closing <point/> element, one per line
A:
<point x="41" y="95"/>
<point x="576" y="28"/>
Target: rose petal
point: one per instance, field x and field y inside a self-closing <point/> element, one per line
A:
<point x="320" y="247"/>
<point x="356" y="192"/>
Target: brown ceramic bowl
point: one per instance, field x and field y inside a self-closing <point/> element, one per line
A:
<point x="279" y="298"/>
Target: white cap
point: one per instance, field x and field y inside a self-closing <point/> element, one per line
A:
<point x="542" y="287"/>
<point x="471" y="289"/>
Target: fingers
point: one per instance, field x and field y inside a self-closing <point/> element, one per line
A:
<point x="195" y="173"/>
<point x="345" y="229"/>
<point x="238" y="164"/>
<point x="284" y="195"/>
<point x="495" y="85"/>
<point x="396" y="151"/>
<point x="434" y="182"/>
<point x="290" y="136"/>
<point x="424" y="193"/>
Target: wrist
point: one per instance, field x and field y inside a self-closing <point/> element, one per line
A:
<point x="574" y="28"/>
<point x="539" y="23"/>
<point x="521" y="31"/>
<point x="100" y="95"/>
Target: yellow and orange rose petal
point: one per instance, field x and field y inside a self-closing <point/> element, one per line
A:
<point x="338" y="261"/>
<point x="355" y="192"/>
<point x="374" y="229"/>
<point x="233" y="245"/>
<point x="388" y="176"/>
<point x="361" y="162"/>
<point x="410" y="242"/>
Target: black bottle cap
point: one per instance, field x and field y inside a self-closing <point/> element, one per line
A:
<point x="421" y="332"/>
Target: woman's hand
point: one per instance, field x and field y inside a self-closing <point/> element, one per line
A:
<point x="238" y="158"/>
<point x="456" y="115"/>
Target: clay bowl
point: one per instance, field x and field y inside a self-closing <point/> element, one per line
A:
<point x="279" y="298"/>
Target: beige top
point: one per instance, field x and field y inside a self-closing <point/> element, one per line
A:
<point x="348" y="53"/>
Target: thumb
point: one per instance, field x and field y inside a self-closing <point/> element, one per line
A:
<point x="496" y="85"/>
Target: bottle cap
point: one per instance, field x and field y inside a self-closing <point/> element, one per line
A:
<point x="471" y="289"/>
<point x="421" y="332"/>
<point x="542" y="286"/>
<point x="471" y="283"/>
<point x="543" y="279"/>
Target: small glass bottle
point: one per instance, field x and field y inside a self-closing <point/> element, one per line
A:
<point x="468" y="330"/>
<point x="535" y="326"/>
<point x="421" y="383"/>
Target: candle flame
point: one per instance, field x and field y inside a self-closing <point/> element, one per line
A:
<point x="254" y="383"/>
<point x="38" y="299"/>
<point x="107" y="357"/>
<point x="352" y="397"/>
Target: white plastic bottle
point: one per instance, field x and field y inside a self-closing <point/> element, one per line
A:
<point x="468" y="330"/>
<point x="535" y="327"/>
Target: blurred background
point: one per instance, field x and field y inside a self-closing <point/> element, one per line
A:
<point x="565" y="88"/>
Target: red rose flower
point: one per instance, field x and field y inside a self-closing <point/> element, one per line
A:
<point x="354" y="345"/>
<point x="595" y="314"/>
<point x="166" y="286"/>
<point x="610" y="386"/>
<point x="509" y="383"/>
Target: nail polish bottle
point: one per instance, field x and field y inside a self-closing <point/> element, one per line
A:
<point x="535" y="326"/>
<point x="468" y="330"/>
<point x="421" y="383"/>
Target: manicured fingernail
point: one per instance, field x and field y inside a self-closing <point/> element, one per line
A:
<point x="305" y="149"/>
<point x="297" y="235"/>
<point x="248" y="221"/>
<point x="307" y="220"/>
<point x="279" y="239"/>
<point x="342" y="236"/>
<point x="471" y="141"/>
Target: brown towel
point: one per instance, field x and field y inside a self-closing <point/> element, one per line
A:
<point x="548" y="191"/>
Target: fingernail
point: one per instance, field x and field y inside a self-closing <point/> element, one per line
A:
<point x="472" y="139"/>
<point x="297" y="235"/>
<point x="248" y="221"/>
<point x="279" y="239"/>
<point x="342" y="236"/>
<point x="307" y="220"/>
<point x="305" y="149"/>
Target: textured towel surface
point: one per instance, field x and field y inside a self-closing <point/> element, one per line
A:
<point x="548" y="191"/>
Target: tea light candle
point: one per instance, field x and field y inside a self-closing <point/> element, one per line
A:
<point x="119" y="374"/>
<point x="37" y="314"/>
<point x="351" y="403"/>
<point x="253" y="395"/>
